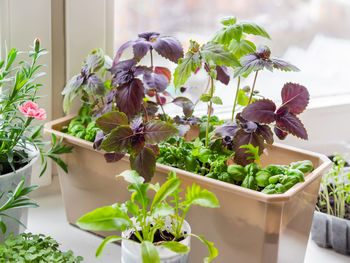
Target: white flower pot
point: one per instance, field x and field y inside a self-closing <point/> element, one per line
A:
<point x="131" y="251"/>
<point x="8" y="182"/>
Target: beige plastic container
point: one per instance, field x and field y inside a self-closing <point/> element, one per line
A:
<point x="249" y="227"/>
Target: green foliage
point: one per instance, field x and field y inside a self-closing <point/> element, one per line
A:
<point x="18" y="82"/>
<point x="82" y="127"/>
<point x="195" y="157"/>
<point x="150" y="214"/>
<point x="187" y="65"/>
<point x="335" y="185"/>
<point x="86" y="84"/>
<point x="253" y="151"/>
<point x="30" y="248"/>
<point x="16" y="199"/>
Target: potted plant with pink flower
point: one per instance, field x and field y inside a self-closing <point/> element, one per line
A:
<point x="20" y="137"/>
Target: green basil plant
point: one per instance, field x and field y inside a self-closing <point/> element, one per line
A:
<point x="146" y="215"/>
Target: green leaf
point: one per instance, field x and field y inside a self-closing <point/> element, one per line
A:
<point x="227" y="34"/>
<point x="106" y="218"/>
<point x="165" y="190"/>
<point x="109" y="121"/>
<point x="254" y="29"/>
<point x="217" y="54"/>
<point x="253" y="151"/>
<point x="132" y="208"/>
<point x="106" y="241"/>
<point x="132" y="177"/>
<point x="216" y="100"/>
<point x="176" y="247"/>
<point x="228" y="21"/>
<point x="95" y="60"/>
<point x="186" y="66"/>
<point x="149" y="253"/>
<point x="137" y="186"/>
<point x="242" y="99"/>
<point x="2" y="226"/>
<point x="161" y="210"/>
<point x="213" y="252"/>
<point x="118" y="140"/>
<point x="241" y="48"/>
<point x="205" y="97"/>
<point x="200" y="197"/>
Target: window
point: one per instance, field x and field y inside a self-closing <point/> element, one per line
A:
<point x="312" y="34"/>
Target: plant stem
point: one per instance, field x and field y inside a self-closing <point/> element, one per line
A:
<point x="211" y="92"/>
<point x="145" y="111"/>
<point x="251" y="93"/>
<point x="150" y="52"/>
<point x="236" y="98"/>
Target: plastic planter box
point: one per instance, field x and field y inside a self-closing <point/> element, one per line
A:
<point x="249" y="226"/>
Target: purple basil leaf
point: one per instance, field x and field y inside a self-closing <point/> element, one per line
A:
<point x="222" y="74"/>
<point x="263" y="52"/>
<point x="94" y="85"/>
<point x="137" y="143"/>
<point x="227" y="129"/>
<point x="148" y="36"/>
<point x="252" y="62"/>
<point x="262" y="111"/>
<point x="111" y="120"/>
<point x="164" y="71"/>
<point x="111" y="95"/>
<point x="151" y="108"/>
<point x="169" y="48"/>
<point x="140" y="48"/>
<point x="280" y="133"/>
<point x="242" y="138"/>
<point x="129" y="97"/>
<point x="121" y="50"/>
<point x="158" y="131"/>
<point x="113" y="157"/>
<point x="249" y="126"/>
<point x="295" y="96"/>
<point x="139" y="70"/>
<point x="292" y="124"/>
<point x="265" y="132"/>
<point x="98" y="140"/>
<point x="282" y="111"/>
<point x="153" y="147"/>
<point x="125" y="65"/>
<point x="283" y="65"/>
<point x="154" y="81"/>
<point x="186" y="104"/>
<point x="183" y="129"/>
<point x="118" y="140"/>
<point x="136" y="125"/>
<point x="144" y="163"/>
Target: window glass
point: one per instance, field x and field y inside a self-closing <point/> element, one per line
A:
<point x="314" y="35"/>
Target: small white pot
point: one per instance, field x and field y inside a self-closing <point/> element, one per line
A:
<point x="131" y="251"/>
<point x="10" y="181"/>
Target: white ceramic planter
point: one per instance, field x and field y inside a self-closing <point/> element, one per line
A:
<point x="131" y="251"/>
<point x="9" y="182"/>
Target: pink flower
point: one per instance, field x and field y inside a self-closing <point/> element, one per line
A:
<point x="30" y="109"/>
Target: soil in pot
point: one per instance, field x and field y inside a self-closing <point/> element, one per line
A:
<point x="160" y="236"/>
<point x="20" y="159"/>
